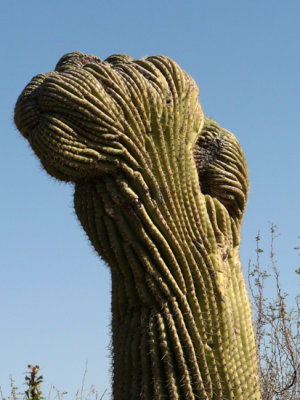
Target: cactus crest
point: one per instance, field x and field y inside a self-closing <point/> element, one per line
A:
<point x="160" y="191"/>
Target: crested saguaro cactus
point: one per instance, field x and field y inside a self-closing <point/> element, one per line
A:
<point x="160" y="192"/>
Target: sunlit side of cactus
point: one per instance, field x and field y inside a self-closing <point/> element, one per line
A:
<point x="160" y="192"/>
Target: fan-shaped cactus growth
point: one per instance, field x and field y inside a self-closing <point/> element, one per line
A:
<point x="161" y="192"/>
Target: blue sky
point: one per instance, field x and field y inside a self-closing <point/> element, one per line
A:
<point x="244" y="56"/>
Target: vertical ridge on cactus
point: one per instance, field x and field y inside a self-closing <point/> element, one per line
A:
<point x="160" y="191"/>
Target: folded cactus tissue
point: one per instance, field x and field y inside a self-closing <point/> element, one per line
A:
<point x="160" y="191"/>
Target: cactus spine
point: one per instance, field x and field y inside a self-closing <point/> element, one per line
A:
<point x="161" y="192"/>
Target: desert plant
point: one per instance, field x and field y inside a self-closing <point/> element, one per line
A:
<point x="14" y="391"/>
<point x="34" y="392"/>
<point x="277" y="329"/>
<point x="34" y="382"/>
<point x="161" y="192"/>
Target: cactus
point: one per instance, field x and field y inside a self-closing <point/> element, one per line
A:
<point x="160" y="191"/>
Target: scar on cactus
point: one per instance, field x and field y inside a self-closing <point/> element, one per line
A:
<point x="160" y="191"/>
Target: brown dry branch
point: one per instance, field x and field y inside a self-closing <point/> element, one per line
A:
<point x="277" y="329"/>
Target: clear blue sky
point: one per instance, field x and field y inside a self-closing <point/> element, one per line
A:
<point x="245" y="57"/>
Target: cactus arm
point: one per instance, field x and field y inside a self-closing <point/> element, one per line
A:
<point x="160" y="192"/>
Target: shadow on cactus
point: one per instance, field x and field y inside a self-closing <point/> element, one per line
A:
<point x="160" y="192"/>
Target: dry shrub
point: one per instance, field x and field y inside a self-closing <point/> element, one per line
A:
<point x="277" y="329"/>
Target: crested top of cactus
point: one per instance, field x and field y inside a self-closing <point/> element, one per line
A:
<point x="91" y="117"/>
<point x="76" y="117"/>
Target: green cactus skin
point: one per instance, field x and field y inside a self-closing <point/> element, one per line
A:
<point x="160" y="192"/>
